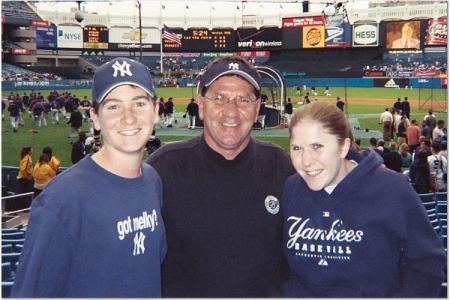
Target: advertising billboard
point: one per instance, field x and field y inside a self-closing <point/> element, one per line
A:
<point x="365" y="35"/>
<point x="436" y="32"/>
<point x="316" y="32"/>
<point x="126" y="38"/>
<point x="46" y="37"/>
<point x="403" y="35"/>
<point x="304" y="21"/>
<point x="313" y="37"/>
<point x="70" y="37"/>
<point x="259" y="39"/>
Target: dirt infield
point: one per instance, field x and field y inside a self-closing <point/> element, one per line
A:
<point x="366" y="101"/>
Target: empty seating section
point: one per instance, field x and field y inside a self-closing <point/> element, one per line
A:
<point x="153" y="62"/>
<point x="12" y="243"/>
<point x="19" y="10"/>
<point x="436" y="206"/>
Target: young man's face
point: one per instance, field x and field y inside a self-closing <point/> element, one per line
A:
<point x="126" y="118"/>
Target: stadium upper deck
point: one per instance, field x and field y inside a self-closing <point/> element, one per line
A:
<point x="415" y="10"/>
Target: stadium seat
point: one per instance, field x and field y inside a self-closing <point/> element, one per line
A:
<point x="13" y="235"/>
<point x="7" y="274"/>
<point x="8" y="248"/>
<point x="442" y="216"/>
<point x="429" y="202"/>
<point x="441" y="196"/>
<point x="6" y="289"/>
<point x="17" y="248"/>
<point x="9" y="230"/>
<point x="11" y="258"/>
<point x="13" y="242"/>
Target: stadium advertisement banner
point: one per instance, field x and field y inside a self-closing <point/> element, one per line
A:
<point x="40" y="23"/>
<point x="391" y="82"/>
<point x="46" y="37"/>
<point x="70" y="37"/>
<point x="185" y="55"/>
<point x="313" y="37"/>
<point x="202" y="40"/>
<point x="403" y="35"/>
<point x="128" y="39"/>
<point x="399" y="74"/>
<point x="436" y="32"/>
<point x="425" y="73"/>
<point x="365" y="35"/>
<point x="95" y="37"/>
<point x="374" y="74"/>
<point x="337" y="35"/>
<point x="217" y="54"/>
<point x="20" y="51"/>
<point x="254" y="54"/>
<point x="300" y="22"/>
<point x="263" y="38"/>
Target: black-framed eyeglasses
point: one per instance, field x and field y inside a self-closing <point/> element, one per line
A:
<point x="221" y="100"/>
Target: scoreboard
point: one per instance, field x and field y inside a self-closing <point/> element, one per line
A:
<point x="95" y="37"/>
<point x="202" y="40"/>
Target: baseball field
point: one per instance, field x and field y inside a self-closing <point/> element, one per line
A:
<point x="364" y="104"/>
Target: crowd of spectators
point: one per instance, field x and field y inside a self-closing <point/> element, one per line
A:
<point x="29" y="76"/>
<point x="420" y="150"/>
<point x="14" y="73"/>
<point x="409" y="65"/>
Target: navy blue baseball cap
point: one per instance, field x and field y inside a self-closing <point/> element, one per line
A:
<point x="120" y="71"/>
<point x="228" y="67"/>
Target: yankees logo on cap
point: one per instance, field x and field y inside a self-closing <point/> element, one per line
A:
<point x="230" y="66"/>
<point x="121" y="71"/>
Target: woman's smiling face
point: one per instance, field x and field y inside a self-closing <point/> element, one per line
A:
<point x="317" y="155"/>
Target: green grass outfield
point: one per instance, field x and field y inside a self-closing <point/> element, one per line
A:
<point x="367" y="103"/>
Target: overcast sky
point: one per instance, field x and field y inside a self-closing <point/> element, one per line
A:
<point x="195" y="8"/>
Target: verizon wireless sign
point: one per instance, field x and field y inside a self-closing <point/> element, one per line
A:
<point x="254" y="39"/>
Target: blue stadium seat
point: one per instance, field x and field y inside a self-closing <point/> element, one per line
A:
<point x="429" y="202"/>
<point x="17" y="248"/>
<point x="9" y="230"/>
<point x="441" y="196"/>
<point x="13" y="235"/>
<point x="6" y="289"/>
<point x="13" y="242"/>
<point x="8" y="248"/>
<point x="11" y="258"/>
<point x="7" y="273"/>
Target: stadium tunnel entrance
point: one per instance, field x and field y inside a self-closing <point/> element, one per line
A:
<point x="272" y="84"/>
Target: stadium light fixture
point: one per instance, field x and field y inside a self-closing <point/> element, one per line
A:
<point x="332" y="9"/>
<point x="139" y="6"/>
<point x="79" y="15"/>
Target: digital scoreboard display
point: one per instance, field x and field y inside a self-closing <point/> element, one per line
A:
<point x="95" y="37"/>
<point x="203" y="40"/>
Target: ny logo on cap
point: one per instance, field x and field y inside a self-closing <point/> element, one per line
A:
<point x="233" y="66"/>
<point x="123" y="68"/>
